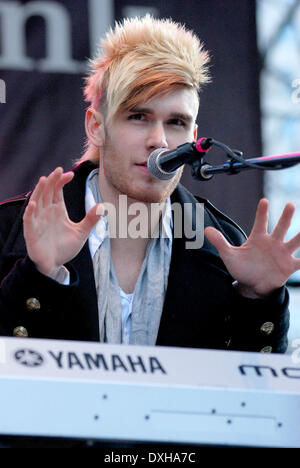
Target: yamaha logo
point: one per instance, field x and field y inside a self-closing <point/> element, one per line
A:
<point x="29" y="358"/>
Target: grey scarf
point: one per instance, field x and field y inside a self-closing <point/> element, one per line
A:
<point x="149" y="292"/>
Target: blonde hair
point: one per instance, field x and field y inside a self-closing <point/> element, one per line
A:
<point x="139" y="59"/>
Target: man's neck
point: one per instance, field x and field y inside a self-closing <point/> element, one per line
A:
<point x="132" y="222"/>
<point x="131" y="228"/>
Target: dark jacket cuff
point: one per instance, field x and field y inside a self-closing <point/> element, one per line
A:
<point x="260" y="324"/>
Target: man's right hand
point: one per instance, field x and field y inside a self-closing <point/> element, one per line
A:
<point x="52" y="239"/>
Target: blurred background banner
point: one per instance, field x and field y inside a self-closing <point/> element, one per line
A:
<point x="44" y="46"/>
<point x="43" y="50"/>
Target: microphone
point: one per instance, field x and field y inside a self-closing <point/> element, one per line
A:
<point x="163" y="163"/>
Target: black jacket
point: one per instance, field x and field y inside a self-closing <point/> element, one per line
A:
<point x="201" y="310"/>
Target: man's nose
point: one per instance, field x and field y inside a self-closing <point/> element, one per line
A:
<point x="157" y="137"/>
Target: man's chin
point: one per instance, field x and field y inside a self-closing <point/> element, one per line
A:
<point x="148" y="197"/>
<point x="153" y="194"/>
<point x="156" y="191"/>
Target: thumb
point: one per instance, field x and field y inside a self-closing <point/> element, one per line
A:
<point x="217" y="239"/>
<point x="91" y="218"/>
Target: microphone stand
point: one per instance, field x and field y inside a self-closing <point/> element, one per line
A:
<point x="201" y="170"/>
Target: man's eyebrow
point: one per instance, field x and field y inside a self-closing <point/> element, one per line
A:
<point x="142" y="110"/>
<point x="182" y="116"/>
<point x="172" y="115"/>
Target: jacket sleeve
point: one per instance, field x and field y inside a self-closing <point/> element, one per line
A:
<point x="33" y="301"/>
<point x="259" y="324"/>
<point x="28" y="298"/>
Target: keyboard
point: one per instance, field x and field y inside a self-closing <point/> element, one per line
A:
<point x="55" y="388"/>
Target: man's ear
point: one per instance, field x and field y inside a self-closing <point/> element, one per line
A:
<point x="94" y="127"/>
<point x="195" y="132"/>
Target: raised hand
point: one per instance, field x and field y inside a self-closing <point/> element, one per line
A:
<point x="265" y="261"/>
<point x="52" y="239"/>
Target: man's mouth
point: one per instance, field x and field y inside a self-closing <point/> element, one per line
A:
<point x="143" y="167"/>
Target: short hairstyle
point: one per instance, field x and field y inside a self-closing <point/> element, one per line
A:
<point x="139" y="59"/>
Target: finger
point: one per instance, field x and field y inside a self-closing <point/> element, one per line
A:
<point x="217" y="239"/>
<point x="38" y="192"/>
<point x="61" y="182"/>
<point x="29" y="212"/>
<point x="297" y="264"/>
<point x="91" y="218"/>
<point x="29" y="219"/>
<point x="49" y="186"/>
<point x="284" y="222"/>
<point x="294" y="243"/>
<point x="260" y="225"/>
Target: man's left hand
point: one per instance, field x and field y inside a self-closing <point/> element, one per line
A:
<point x="265" y="261"/>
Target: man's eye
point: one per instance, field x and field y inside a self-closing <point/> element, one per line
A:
<point x="178" y="122"/>
<point x="136" y="117"/>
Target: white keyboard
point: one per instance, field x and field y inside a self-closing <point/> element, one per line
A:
<point x="155" y="394"/>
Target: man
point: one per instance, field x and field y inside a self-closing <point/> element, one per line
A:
<point x="68" y="279"/>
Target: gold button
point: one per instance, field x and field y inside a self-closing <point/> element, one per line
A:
<point x="267" y="328"/>
<point x="20" y="331"/>
<point x="266" y="349"/>
<point x="33" y="304"/>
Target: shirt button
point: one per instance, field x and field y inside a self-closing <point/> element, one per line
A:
<point x="20" y="332"/>
<point x="267" y="328"/>
<point x="266" y="349"/>
<point x="33" y="304"/>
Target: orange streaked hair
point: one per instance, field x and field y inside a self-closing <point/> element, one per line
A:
<point x="139" y="59"/>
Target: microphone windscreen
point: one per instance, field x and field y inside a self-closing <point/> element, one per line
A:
<point x="154" y="166"/>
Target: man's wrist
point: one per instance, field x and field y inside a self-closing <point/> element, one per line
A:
<point x="246" y="291"/>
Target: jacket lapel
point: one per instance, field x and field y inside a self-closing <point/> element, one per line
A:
<point x="191" y="277"/>
<point x="86" y="298"/>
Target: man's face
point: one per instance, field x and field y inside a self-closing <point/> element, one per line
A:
<point x="165" y="121"/>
